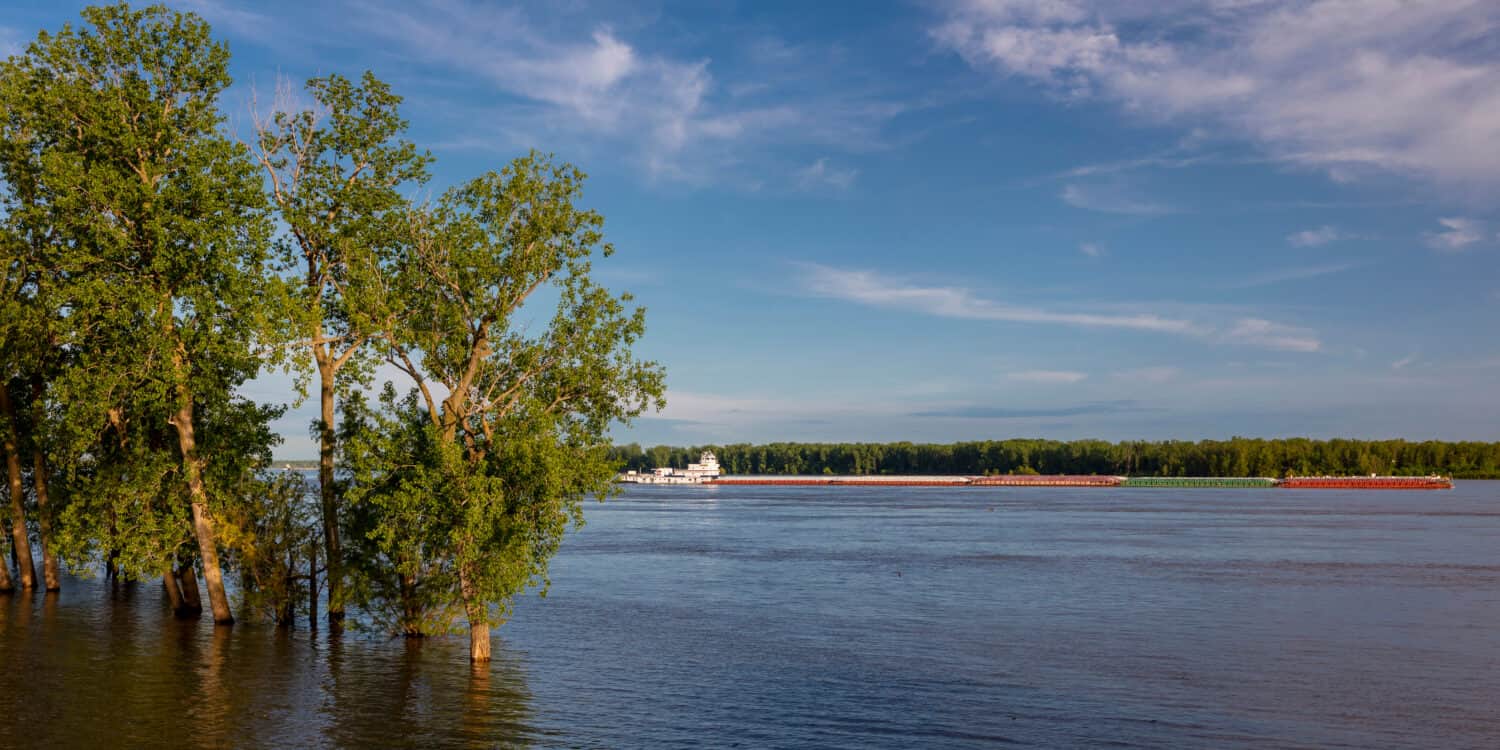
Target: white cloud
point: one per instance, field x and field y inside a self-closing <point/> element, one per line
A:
<point x="878" y="290"/>
<point x="869" y="288"/>
<point x="1457" y="234"/>
<point x="1091" y="249"/>
<point x="1314" y="237"/>
<point x="565" y="74"/>
<point x="1112" y="199"/>
<point x="820" y="174"/>
<point x="1344" y="86"/>
<point x="1047" y="376"/>
<point x="1404" y="362"/>
<point x="1268" y="335"/>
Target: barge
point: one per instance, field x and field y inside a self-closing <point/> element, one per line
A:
<point x="1367" y="483"/>
<point x="707" y="472"/>
<point x="1216" y="482"/>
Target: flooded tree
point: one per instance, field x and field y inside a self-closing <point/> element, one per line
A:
<point x="486" y="466"/>
<point x="333" y="175"/>
<point x="145" y="285"/>
<point x="162" y="230"/>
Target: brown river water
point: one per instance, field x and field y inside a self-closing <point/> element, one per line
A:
<point x="768" y="617"/>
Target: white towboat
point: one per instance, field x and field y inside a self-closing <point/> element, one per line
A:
<point x="706" y="470"/>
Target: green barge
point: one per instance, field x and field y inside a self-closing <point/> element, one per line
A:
<point x="1220" y="482"/>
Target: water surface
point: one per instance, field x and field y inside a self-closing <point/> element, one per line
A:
<point x="856" y="617"/>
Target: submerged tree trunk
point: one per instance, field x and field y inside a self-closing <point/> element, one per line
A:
<point x="174" y="594"/>
<point x="411" y="609"/>
<point x="203" y="524"/>
<point x="192" y="603"/>
<point x="5" y="585"/>
<point x="50" y="574"/>
<point x="312" y="585"/>
<point x="21" y="545"/>
<point x="479" y="620"/>
<point x="328" y="491"/>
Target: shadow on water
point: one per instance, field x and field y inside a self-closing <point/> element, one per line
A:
<point x="107" y="665"/>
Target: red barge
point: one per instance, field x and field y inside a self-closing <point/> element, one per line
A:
<point x="1366" y="483"/>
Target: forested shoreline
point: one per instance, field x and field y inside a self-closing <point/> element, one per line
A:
<point x="156" y="260"/>
<point x="1237" y="457"/>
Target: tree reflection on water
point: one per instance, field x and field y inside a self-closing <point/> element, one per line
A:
<point x="107" y="665"/>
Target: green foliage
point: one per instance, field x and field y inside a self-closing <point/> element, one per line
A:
<point x="333" y="175"/>
<point x="1208" y="458"/>
<point x="145" y="233"/>
<point x="144" y="285"/>
<point x="474" y="492"/>
<point x="275" y="542"/>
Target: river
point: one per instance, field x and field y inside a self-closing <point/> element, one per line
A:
<point x="764" y="617"/>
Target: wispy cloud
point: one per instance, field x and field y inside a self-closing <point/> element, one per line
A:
<point x="1404" y="362"/>
<point x="1457" y="234"/>
<point x="869" y="288"/>
<point x="1050" y="377"/>
<point x="1344" y="86"/>
<point x="237" y="21"/>
<point x="820" y="174"/>
<point x="877" y="290"/>
<point x="1266" y="334"/>
<point x="1299" y="273"/>
<point x="1314" y="237"/>
<point x="575" y="76"/>
<point x="1002" y="412"/>
<point x="1091" y="249"/>
<point x="1112" y="199"/>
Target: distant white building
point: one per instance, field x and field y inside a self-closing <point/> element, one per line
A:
<point x="706" y="470"/>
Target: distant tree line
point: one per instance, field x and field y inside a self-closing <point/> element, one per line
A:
<point x="154" y="261"/>
<point x="1236" y="457"/>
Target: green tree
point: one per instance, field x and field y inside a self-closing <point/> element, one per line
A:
<point x="333" y="176"/>
<point x="163" y="229"/>
<point x="514" y="421"/>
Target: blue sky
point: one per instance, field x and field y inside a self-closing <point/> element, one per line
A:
<point x="967" y="219"/>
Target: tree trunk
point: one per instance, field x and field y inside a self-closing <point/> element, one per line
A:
<point x="203" y="524"/>
<point x="312" y="586"/>
<point x="479" y="640"/>
<point x="50" y="574"/>
<point x="479" y="620"/>
<point x="19" y="540"/>
<point x="328" y="491"/>
<point x="411" y="612"/>
<point x="5" y="585"/>
<point x="174" y="594"/>
<point x="192" y="603"/>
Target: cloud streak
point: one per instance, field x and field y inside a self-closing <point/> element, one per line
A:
<point x="878" y="290"/>
<point x="1269" y="335"/>
<point x="1047" y="377"/>
<point x="1111" y="199"/>
<point x="1314" y="237"/>
<point x="869" y="288"/>
<point x="1300" y="273"/>
<point x="820" y="174"/>
<point x="1458" y="234"/>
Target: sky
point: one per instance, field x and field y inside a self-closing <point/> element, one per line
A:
<point x="979" y="219"/>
